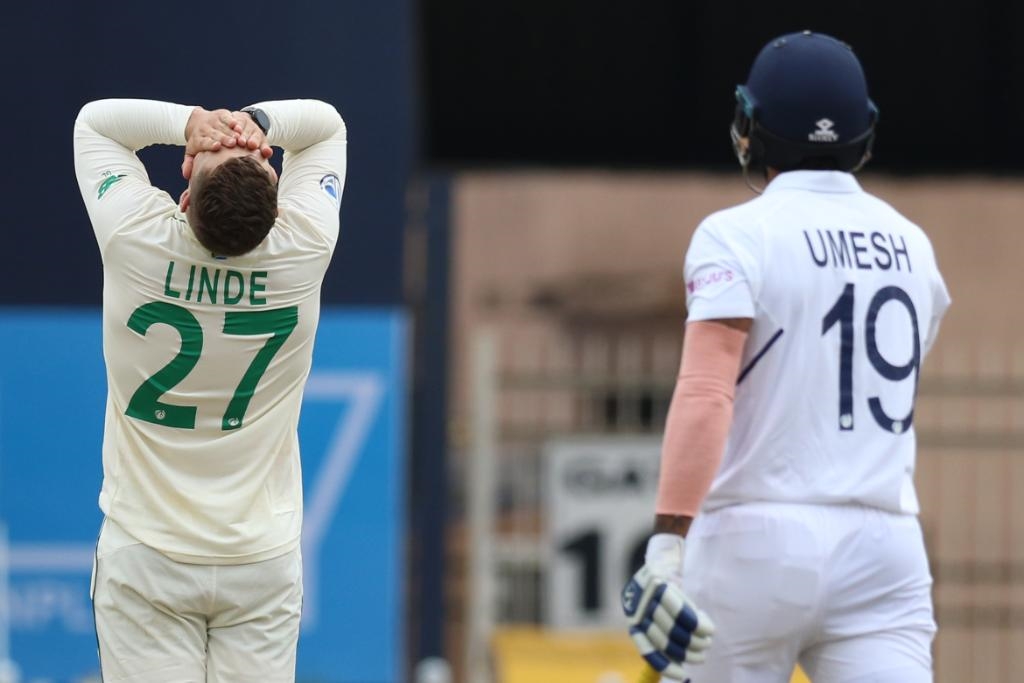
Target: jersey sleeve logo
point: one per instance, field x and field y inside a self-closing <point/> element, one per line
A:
<point x="714" y="277"/>
<point x="107" y="183"/>
<point x="331" y="185"/>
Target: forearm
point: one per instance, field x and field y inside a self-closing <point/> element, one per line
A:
<point x="298" y="124"/>
<point x="134" y="123"/>
<point x="695" y="436"/>
<point x="698" y="422"/>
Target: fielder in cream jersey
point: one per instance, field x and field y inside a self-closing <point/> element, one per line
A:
<point x="210" y="307"/>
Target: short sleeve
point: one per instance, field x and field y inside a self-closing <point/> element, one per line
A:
<point x="721" y="274"/>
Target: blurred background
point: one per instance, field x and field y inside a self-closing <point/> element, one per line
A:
<point x="504" y="313"/>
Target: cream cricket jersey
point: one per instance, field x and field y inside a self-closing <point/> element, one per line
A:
<point x="207" y="357"/>
<point x="846" y="299"/>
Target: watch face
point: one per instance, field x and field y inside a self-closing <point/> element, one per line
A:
<point x="261" y="119"/>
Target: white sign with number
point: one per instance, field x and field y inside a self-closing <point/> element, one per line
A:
<point x="599" y="512"/>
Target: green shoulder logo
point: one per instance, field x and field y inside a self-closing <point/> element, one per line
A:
<point x="105" y="185"/>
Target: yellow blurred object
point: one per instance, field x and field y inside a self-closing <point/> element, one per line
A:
<point x="649" y="675"/>
<point x="799" y="677"/>
<point x="528" y="655"/>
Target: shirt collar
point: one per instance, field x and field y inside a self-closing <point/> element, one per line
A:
<point x="814" y="181"/>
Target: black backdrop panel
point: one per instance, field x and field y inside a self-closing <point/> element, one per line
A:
<point x="650" y="83"/>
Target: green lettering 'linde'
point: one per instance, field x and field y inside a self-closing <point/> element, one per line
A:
<point x="204" y="284"/>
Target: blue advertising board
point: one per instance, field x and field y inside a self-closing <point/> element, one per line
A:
<point x="52" y="400"/>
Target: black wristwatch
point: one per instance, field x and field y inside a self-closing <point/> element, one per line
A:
<point x="259" y="117"/>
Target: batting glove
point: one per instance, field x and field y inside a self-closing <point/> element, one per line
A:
<point x="665" y="625"/>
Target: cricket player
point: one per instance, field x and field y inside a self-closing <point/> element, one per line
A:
<point x="210" y="306"/>
<point x="791" y="429"/>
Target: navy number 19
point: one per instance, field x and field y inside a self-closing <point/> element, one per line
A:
<point x="842" y="314"/>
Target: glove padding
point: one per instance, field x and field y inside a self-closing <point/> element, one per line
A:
<point x="665" y="625"/>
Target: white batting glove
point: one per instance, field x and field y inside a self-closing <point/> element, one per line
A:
<point x="665" y="625"/>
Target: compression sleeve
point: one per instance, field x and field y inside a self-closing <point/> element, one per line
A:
<point x="699" y="417"/>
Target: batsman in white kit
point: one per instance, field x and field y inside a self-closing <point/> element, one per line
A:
<point x="791" y="429"/>
<point x="210" y="307"/>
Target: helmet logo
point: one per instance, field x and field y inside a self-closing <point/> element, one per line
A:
<point x="824" y="133"/>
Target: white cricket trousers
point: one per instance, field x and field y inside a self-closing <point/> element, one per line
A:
<point x="843" y="590"/>
<point x="161" y="621"/>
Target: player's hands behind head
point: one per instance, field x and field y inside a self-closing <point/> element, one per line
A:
<point x="210" y="131"/>
<point x="666" y="626"/>
<point x="250" y="135"/>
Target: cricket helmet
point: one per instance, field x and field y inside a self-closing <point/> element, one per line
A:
<point x="805" y="104"/>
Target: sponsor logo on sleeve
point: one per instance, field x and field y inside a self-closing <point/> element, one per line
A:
<point x="704" y="280"/>
<point x="331" y="185"/>
<point x="107" y="183"/>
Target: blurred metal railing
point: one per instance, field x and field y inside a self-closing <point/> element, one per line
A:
<point x="546" y="382"/>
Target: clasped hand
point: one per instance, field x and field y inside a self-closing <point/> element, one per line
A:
<point x="210" y="131"/>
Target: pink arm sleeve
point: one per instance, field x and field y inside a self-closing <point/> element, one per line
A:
<point x="699" y="417"/>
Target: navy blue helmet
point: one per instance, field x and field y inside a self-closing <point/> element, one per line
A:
<point x="804" y="105"/>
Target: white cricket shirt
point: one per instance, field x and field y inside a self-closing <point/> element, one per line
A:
<point x="846" y="299"/>
<point x="207" y="357"/>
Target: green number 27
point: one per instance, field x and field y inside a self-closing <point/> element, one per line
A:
<point x="145" y="403"/>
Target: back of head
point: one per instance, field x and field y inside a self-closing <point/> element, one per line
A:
<point x="804" y="105"/>
<point x="233" y="207"/>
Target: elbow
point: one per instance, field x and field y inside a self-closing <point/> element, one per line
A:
<point x="84" y="112"/>
<point x="337" y="124"/>
<point x="84" y="121"/>
<point x="340" y="130"/>
<point x="88" y="113"/>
